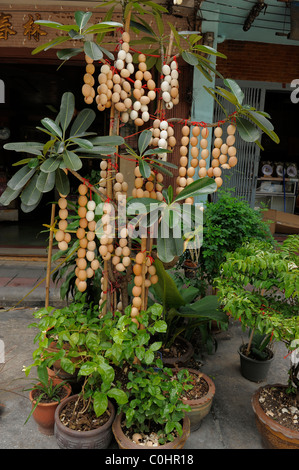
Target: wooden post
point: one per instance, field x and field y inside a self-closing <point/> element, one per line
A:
<point x="50" y="255"/>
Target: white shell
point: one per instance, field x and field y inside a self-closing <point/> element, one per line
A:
<point x="145" y="116"/>
<point x="129" y="57"/>
<point x="137" y="105"/>
<point x="130" y="68"/>
<point x="133" y="115"/>
<point x="166" y="96"/>
<point x="122" y="55"/>
<point x="163" y="157"/>
<point x="166" y="69"/>
<point x="163" y="134"/>
<point x="173" y="65"/>
<point x="89" y="216"/>
<point x="163" y="125"/>
<point x="167" y="78"/>
<point x="174" y="74"/>
<point x="91" y="205"/>
<point x="162" y="143"/>
<point x="144" y="107"/>
<point x="119" y="64"/>
<point x="169" y="105"/>
<point x="165" y="86"/>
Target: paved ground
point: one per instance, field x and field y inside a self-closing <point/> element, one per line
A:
<point x="230" y="424"/>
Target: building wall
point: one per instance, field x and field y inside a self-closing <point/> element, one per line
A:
<point x="259" y="61"/>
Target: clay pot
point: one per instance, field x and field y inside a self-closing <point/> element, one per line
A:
<point x="44" y="412"/>
<point x="95" y="439"/>
<point x="201" y="406"/>
<point x="274" y="435"/>
<point x="254" y="369"/>
<point x="126" y="443"/>
<point x="59" y="372"/>
<point x="183" y="359"/>
<point x="190" y="268"/>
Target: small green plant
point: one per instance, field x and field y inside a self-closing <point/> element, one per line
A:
<point x="258" y="285"/>
<point x="45" y="389"/>
<point x="183" y="309"/>
<point x="155" y="402"/>
<point x="228" y="223"/>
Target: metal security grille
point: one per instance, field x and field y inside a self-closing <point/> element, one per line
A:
<point x="242" y="178"/>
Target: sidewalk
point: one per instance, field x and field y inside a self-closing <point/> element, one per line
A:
<point x="229" y="425"/>
<point x="23" y="282"/>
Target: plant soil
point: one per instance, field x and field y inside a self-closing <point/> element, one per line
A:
<point x="251" y="355"/>
<point x="199" y="387"/>
<point x="59" y="395"/>
<point x="280" y="406"/>
<point x="76" y="417"/>
<point x="177" y="349"/>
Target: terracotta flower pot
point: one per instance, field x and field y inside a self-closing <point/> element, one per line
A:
<point x="201" y="406"/>
<point x="274" y="435"/>
<point x="67" y="438"/>
<point x="126" y="443"/>
<point x="59" y="372"/>
<point x="44" y="412"/>
<point x="183" y="359"/>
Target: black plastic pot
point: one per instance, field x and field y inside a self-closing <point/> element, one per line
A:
<point x="253" y="369"/>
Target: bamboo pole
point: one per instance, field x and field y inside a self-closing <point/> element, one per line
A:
<point x="50" y="255"/>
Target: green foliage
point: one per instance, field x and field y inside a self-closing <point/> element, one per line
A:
<point x="183" y="310"/>
<point x="228" y="223"/>
<point x="44" y="171"/>
<point x="93" y="346"/>
<point x="250" y="122"/>
<point x="155" y="397"/>
<point x="45" y="388"/>
<point x="259" y="286"/>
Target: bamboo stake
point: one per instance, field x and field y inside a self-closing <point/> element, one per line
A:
<point x="50" y="255"/>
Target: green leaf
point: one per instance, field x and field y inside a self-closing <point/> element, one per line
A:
<point x="66" y="54"/>
<point x="166" y="288"/>
<point x="48" y="45"/>
<point x="118" y="395"/>
<point x="62" y="182"/>
<point x="235" y="89"/>
<point x="144" y="140"/>
<point x="204" y="185"/>
<point x="189" y="58"/>
<point x="51" y="164"/>
<point x="33" y="162"/>
<point x="71" y="160"/>
<point x="67" y="108"/>
<point x="52" y="127"/>
<point x="20" y="178"/>
<point x="248" y="132"/>
<point x="141" y="27"/>
<point x="45" y="181"/>
<point x="82" y="18"/>
<point x="100" y="403"/>
<point x="144" y="168"/>
<point x="35" y="148"/>
<point x="92" y="50"/>
<point x="9" y="195"/>
<point x="67" y="365"/>
<point x="31" y="194"/>
<point x="82" y="122"/>
<point x="87" y="369"/>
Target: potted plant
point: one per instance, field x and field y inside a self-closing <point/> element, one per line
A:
<point x="198" y="395"/>
<point x="257" y="287"/>
<point x="154" y="415"/>
<point x="183" y="312"/>
<point x="45" y="396"/>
